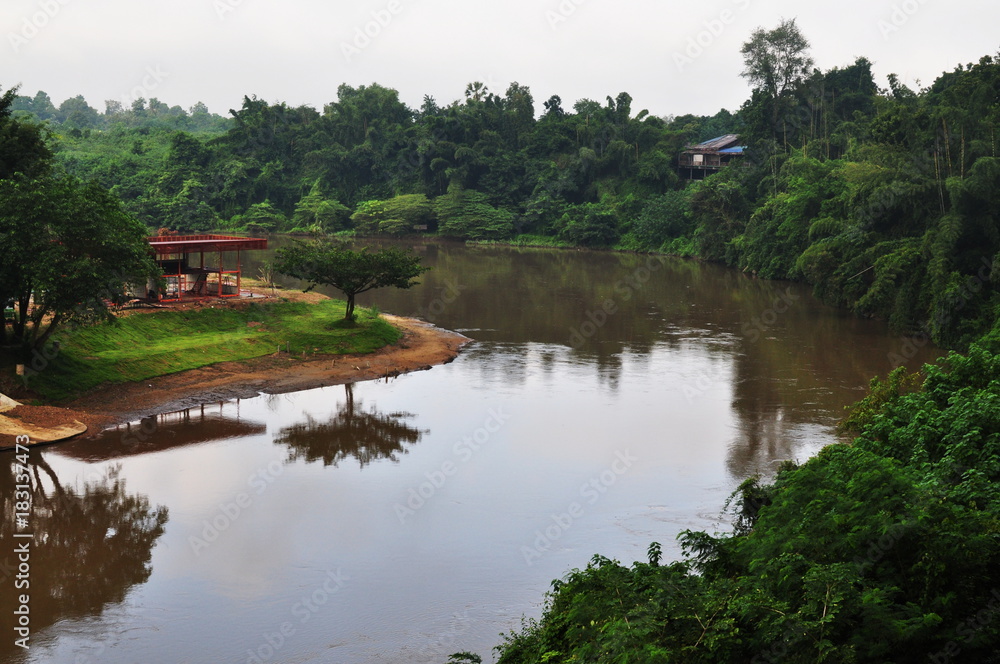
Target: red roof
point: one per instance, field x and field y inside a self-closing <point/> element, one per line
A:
<point x="190" y="244"/>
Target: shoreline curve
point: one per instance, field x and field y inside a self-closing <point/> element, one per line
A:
<point x="421" y="347"/>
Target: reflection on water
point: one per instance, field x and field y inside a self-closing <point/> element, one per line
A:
<point x="92" y="543"/>
<point x="423" y="492"/>
<point x="159" y="433"/>
<point x="366" y="435"/>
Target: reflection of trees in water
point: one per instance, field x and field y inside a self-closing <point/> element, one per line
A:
<point x="91" y="544"/>
<point x="352" y="432"/>
<point x="762" y="441"/>
<point x="512" y="365"/>
<point x="774" y="402"/>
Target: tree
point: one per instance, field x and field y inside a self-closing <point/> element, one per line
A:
<point x="260" y="218"/>
<point x="188" y="210"/>
<point x="476" y="92"/>
<point x="465" y="213"/>
<point x="663" y="218"/>
<point x="327" y="263"/>
<point x="316" y="213"/>
<point x="589" y="225"/>
<point x="76" y="112"/>
<point x="42" y="106"/>
<point x="66" y="249"/>
<point x="775" y="59"/>
<point x="22" y="144"/>
<point x="399" y="215"/>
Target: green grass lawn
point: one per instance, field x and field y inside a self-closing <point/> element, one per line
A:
<point x="142" y="346"/>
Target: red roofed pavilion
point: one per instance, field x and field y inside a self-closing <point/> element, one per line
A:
<point x="186" y="274"/>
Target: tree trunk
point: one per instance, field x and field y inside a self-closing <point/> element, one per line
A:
<point x="350" y="307"/>
<point x="41" y="339"/>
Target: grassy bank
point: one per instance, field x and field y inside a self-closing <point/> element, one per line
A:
<point x="142" y="346"/>
<point x="527" y="241"/>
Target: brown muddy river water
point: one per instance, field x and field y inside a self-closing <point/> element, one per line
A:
<point x="608" y="401"/>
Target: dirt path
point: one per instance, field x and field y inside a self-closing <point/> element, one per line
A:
<point x="421" y="347"/>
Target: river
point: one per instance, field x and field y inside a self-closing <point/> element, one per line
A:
<point x="608" y="401"/>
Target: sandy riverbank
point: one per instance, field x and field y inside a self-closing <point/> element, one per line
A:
<point x="422" y="346"/>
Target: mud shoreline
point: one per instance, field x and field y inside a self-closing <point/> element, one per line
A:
<point x="421" y="347"/>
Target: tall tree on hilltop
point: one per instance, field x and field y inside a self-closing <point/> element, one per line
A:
<point x="775" y="61"/>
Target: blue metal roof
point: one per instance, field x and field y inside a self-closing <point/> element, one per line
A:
<point x="737" y="150"/>
<point x="717" y="144"/>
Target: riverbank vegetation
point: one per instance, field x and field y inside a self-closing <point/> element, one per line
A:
<point x="148" y="344"/>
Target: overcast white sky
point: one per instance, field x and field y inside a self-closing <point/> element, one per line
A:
<point x="216" y="51"/>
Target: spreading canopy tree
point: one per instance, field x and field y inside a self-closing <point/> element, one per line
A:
<point x="323" y="262"/>
<point x="66" y="250"/>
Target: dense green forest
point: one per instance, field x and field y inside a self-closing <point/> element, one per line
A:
<point x="887" y="201"/>
<point x="884" y="200"/>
